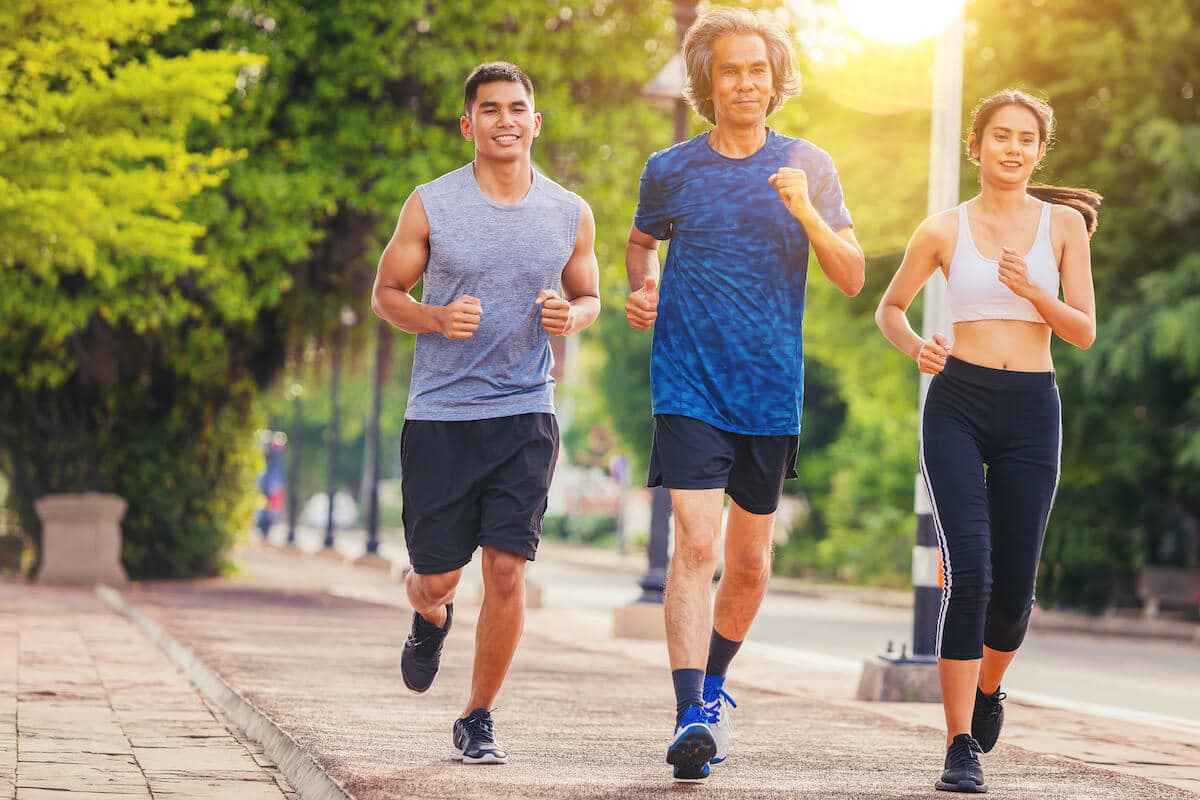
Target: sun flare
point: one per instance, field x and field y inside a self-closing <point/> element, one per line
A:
<point x="899" y="22"/>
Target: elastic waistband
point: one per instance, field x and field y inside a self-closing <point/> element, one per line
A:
<point x="1002" y="379"/>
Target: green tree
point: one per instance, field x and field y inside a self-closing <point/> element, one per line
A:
<point x="1122" y="79"/>
<point x="106" y="352"/>
<point x="358" y="104"/>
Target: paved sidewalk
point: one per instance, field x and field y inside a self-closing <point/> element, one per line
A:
<point x="92" y="710"/>
<point x="583" y="715"/>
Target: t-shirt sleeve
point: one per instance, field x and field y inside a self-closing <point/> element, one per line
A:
<point x="827" y="197"/>
<point x="651" y="217"/>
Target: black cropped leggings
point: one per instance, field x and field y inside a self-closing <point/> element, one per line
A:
<point x="990" y="446"/>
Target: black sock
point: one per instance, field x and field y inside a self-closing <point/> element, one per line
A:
<point x="720" y="652"/>
<point x="689" y="689"/>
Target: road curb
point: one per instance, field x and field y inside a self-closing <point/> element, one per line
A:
<point x="301" y="770"/>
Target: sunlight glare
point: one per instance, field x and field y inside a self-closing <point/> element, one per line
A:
<point x="899" y="22"/>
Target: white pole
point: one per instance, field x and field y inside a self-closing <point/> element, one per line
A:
<point x="945" y="143"/>
<point x="944" y="154"/>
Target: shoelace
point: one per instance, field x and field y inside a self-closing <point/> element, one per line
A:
<point x="962" y="753"/>
<point x="428" y="641"/>
<point x="693" y="714"/>
<point x="994" y="703"/>
<point x="481" y="728"/>
<point x="713" y="707"/>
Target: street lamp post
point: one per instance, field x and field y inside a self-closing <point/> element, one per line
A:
<point x="347" y="318"/>
<point x="296" y="392"/>
<point x="382" y="333"/>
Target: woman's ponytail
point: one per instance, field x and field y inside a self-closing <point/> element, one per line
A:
<point x="1085" y="201"/>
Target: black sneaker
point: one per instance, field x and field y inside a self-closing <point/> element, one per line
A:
<point x="422" y="652"/>
<point x="963" y="772"/>
<point x="987" y="718"/>
<point x="475" y="739"/>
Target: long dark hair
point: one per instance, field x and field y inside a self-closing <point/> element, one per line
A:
<point x="1085" y="201"/>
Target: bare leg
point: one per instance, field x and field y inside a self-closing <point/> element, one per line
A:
<point x="958" y="679"/>
<point x="995" y="664"/>
<point x="747" y="570"/>
<point x="688" y="599"/>
<point x="501" y="620"/>
<point x="429" y="594"/>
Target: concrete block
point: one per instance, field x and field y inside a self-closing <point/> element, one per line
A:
<point x="81" y="539"/>
<point x="899" y="681"/>
<point x="640" y="621"/>
<point x="533" y="595"/>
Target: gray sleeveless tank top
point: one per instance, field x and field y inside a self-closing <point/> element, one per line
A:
<point x="503" y="255"/>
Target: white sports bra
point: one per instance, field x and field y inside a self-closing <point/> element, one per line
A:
<point x="973" y="289"/>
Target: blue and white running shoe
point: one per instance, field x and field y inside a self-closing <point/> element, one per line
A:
<point x="693" y="746"/>
<point x="717" y="703"/>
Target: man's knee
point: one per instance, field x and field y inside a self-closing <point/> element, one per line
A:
<point x="696" y="552"/>
<point x="748" y="566"/>
<point x="437" y="589"/>
<point x="503" y="572"/>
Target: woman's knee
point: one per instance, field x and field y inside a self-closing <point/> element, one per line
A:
<point x="969" y="573"/>
<point x="1007" y="623"/>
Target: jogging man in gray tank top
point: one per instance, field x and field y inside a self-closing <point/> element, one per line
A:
<point x="508" y="260"/>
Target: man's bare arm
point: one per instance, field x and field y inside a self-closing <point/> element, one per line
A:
<point x="401" y="266"/>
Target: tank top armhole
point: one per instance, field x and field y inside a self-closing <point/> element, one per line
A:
<point x="960" y="222"/>
<point x="1045" y="236"/>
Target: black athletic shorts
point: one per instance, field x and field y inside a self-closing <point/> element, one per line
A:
<point x="475" y="483"/>
<point x="690" y="454"/>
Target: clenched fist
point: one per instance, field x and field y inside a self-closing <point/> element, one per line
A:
<point x="792" y="185"/>
<point x="1014" y="274"/>
<point x="556" y="312"/>
<point x="460" y="319"/>
<point x="931" y="358"/>
<point x="641" y="309"/>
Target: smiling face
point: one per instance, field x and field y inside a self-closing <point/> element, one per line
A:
<point x="1010" y="146"/>
<point x="742" y="83"/>
<point x="501" y="122"/>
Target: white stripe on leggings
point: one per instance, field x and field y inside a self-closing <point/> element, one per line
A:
<point x="947" y="573"/>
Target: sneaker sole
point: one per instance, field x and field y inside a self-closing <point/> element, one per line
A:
<point x="969" y="787"/>
<point x="693" y="748"/>
<point x="687" y="776"/>
<point x="414" y="689"/>
<point x="486" y="758"/>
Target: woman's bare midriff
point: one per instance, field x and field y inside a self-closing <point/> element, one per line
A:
<point x="1004" y="344"/>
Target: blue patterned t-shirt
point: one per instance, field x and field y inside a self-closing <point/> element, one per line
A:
<point x="727" y="343"/>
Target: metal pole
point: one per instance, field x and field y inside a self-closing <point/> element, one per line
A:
<point x="333" y="432"/>
<point x="945" y="144"/>
<point x="371" y="467"/>
<point x="294" y="469"/>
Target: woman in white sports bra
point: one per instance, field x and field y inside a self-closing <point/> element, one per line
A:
<point x="991" y="426"/>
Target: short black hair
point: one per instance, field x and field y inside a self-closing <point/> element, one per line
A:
<point x="492" y="72"/>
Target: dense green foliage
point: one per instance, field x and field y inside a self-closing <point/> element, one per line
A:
<point x="111" y="378"/>
<point x="193" y="195"/>
<point x="1122" y="78"/>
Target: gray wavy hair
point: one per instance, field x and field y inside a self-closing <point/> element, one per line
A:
<point x="701" y="40"/>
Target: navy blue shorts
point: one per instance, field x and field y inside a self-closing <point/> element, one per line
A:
<point x="690" y="454"/>
<point x="475" y="483"/>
